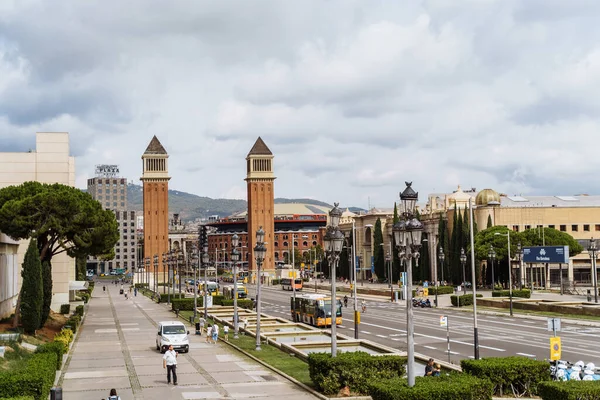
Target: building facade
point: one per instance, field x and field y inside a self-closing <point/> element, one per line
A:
<point x="111" y="192"/>
<point x="155" y="179"/>
<point x="261" y="201"/>
<point x="50" y="162"/>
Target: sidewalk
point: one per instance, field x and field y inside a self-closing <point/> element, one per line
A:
<point x="116" y="349"/>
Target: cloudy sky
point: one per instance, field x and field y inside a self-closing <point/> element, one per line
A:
<point x="353" y="97"/>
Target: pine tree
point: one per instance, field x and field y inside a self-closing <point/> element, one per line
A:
<point x="424" y="261"/>
<point x="379" y="258"/>
<point x="489" y="222"/>
<point x="32" y="294"/>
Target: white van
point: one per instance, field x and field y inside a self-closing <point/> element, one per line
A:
<point x="172" y="333"/>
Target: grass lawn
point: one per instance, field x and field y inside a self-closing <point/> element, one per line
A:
<point x="290" y="365"/>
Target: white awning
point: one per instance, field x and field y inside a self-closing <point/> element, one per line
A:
<point x="78" y="285"/>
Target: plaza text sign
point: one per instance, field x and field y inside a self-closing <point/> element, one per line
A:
<point x="546" y="254"/>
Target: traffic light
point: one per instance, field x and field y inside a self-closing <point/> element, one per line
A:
<point x="202" y="236"/>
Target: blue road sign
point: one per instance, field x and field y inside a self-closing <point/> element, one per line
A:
<point x="546" y="254"/>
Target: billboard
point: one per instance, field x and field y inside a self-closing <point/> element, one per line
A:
<point x="546" y="254"/>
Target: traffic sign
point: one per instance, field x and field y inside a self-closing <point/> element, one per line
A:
<point x="554" y="325"/>
<point x="443" y="320"/>
<point x="555" y="348"/>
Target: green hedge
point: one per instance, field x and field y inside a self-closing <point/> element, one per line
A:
<point x="79" y="310"/>
<point x="141" y="285"/>
<point x="353" y="369"/>
<point x="519" y="375"/>
<point x="441" y="290"/>
<point x="570" y="390"/>
<point x="465" y="300"/>
<point x="18" y="398"/>
<point x="65" y="309"/>
<point x="242" y="303"/>
<point x="74" y="322"/>
<point x="52" y="347"/>
<point x="455" y="386"/>
<point x="34" y="378"/>
<point x="524" y="293"/>
<point x="275" y="282"/>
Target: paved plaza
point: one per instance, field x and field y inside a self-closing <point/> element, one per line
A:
<point x="116" y="349"/>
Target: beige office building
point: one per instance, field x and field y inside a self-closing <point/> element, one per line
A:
<point x="50" y="162"/>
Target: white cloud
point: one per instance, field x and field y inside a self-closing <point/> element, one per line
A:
<point x="352" y="98"/>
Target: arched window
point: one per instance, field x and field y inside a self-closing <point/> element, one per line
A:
<point x="276" y="255"/>
<point x="286" y="244"/>
<point x="276" y="244"/>
<point x="305" y="243"/>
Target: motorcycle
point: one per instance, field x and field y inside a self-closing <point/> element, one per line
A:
<point x="421" y="303"/>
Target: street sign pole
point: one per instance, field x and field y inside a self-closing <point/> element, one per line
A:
<point x="444" y="322"/>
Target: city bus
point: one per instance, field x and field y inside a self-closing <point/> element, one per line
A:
<point x="286" y="284"/>
<point x="242" y="291"/>
<point x="315" y="309"/>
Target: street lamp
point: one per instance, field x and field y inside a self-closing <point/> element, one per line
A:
<point x="205" y="262"/>
<point x="441" y="257"/>
<point x="463" y="260"/>
<point x="592" y="251"/>
<point x="520" y="258"/>
<point x="509" y="270"/>
<point x="334" y="241"/>
<point x="259" y="253"/>
<point x="235" y="256"/>
<point x="196" y="260"/>
<point x="492" y="256"/>
<point x="407" y="233"/>
<point x="164" y="264"/>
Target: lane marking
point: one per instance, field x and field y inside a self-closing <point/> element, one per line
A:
<point x="526" y="355"/>
<point x="381" y="336"/>
<point x="430" y="347"/>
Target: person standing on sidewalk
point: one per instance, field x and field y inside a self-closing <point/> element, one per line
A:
<point x="170" y="363"/>
<point x="226" y="332"/>
<point x="202" y="322"/>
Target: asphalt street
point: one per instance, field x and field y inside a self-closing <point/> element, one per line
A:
<point x="499" y="336"/>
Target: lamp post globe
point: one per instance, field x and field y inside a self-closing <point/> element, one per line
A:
<point x="259" y="253"/>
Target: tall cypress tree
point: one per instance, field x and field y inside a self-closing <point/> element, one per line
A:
<point x="452" y="259"/>
<point x="489" y="222"/>
<point x="47" y="291"/>
<point x="379" y="258"/>
<point x="424" y="260"/>
<point x="457" y="275"/>
<point x="396" y="262"/>
<point x="32" y="289"/>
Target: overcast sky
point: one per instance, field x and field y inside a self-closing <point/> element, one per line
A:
<point x="352" y="97"/>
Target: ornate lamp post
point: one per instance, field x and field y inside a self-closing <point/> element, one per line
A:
<point x="205" y="262"/>
<point x="407" y="233"/>
<point x="164" y="264"/>
<point x="463" y="260"/>
<point x="259" y="253"/>
<point x="235" y="256"/>
<point x="593" y="252"/>
<point x="334" y="241"/>
<point x="441" y="258"/>
<point x="196" y="261"/>
<point x="492" y="256"/>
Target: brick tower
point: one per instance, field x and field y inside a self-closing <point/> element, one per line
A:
<point x="259" y="178"/>
<point x="155" y="180"/>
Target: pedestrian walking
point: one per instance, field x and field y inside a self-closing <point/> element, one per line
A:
<point x="113" y="395"/>
<point x="202" y="322"/>
<point x="104" y="288"/>
<point x="226" y="332"/>
<point x="170" y="363"/>
<point x="135" y="292"/>
<point x="208" y="333"/>
<point x="215" y="333"/>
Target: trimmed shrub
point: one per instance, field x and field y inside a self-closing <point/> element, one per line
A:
<point x="85" y="297"/>
<point x="140" y="285"/>
<point x="35" y="378"/>
<point x="441" y="290"/>
<point x="570" y="390"/>
<point x="353" y="369"/>
<point x="79" y="310"/>
<point x="455" y="386"/>
<point x="275" y="282"/>
<point x="53" y="347"/>
<point x="218" y="300"/>
<point x="524" y="293"/>
<point x="65" y="309"/>
<point x="516" y="375"/>
<point x="465" y="300"/>
<point x="64" y="337"/>
<point x="185" y="304"/>
<point x="74" y="322"/>
<point x="18" y="398"/>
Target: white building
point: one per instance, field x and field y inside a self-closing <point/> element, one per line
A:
<point x="50" y="162"/>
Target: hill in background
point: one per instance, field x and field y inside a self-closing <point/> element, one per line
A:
<point x="190" y="206"/>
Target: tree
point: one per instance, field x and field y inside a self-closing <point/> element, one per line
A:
<point x="47" y="283"/>
<point x="80" y="268"/>
<point x="379" y="258"/>
<point x="61" y="218"/>
<point x="31" y="290"/>
<point x="489" y="222"/>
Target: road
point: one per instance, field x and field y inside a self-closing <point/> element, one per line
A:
<point x="499" y="336"/>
